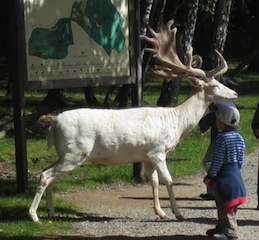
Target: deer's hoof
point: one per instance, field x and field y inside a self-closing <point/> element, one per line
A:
<point x="34" y="217"/>
<point x="165" y="217"/>
<point x="180" y="218"/>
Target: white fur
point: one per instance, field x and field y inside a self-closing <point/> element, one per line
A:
<point x="127" y="136"/>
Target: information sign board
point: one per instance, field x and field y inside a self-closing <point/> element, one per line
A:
<point x="79" y="42"/>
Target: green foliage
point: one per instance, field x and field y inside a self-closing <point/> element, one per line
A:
<point x="7" y="149"/>
<point x="207" y="7"/>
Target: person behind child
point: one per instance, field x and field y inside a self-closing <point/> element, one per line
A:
<point x="228" y="156"/>
<point x="209" y="122"/>
<point x="255" y="128"/>
<point x="255" y="122"/>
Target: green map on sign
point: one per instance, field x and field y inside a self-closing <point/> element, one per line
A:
<point x="53" y="42"/>
<point x="99" y="19"/>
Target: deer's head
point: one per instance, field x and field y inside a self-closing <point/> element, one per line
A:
<point x="165" y="48"/>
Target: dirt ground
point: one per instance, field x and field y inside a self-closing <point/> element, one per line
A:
<point x="139" y="195"/>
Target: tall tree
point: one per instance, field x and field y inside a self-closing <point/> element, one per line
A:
<point x="170" y="89"/>
<point x="221" y="22"/>
<point x="245" y="26"/>
<point x="188" y="10"/>
<point x="145" y="12"/>
<point x="151" y="11"/>
<point x="253" y="57"/>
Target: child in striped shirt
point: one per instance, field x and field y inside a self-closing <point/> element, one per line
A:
<point x="228" y="154"/>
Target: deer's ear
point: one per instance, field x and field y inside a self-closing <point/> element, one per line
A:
<point x="195" y="82"/>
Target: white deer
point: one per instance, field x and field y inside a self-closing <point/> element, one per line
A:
<point x="144" y="134"/>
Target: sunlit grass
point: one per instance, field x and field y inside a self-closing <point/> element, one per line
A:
<point x="16" y="223"/>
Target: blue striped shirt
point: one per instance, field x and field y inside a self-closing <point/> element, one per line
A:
<point x="228" y="147"/>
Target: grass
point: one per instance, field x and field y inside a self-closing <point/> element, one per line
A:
<point x="184" y="160"/>
<point x="14" y="221"/>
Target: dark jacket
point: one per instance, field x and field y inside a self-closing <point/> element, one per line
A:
<point x="255" y="122"/>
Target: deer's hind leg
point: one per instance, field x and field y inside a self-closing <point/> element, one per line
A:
<point x="57" y="169"/>
<point x="46" y="178"/>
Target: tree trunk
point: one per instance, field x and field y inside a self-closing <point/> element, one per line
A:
<point x="253" y="65"/>
<point x="121" y="99"/>
<point x="169" y="93"/>
<point x="154" y="13"/>
<point x="55" y="97"/>
<point x="170" y="89"/>
<point x="221" y="21"/>
<point x="189" y="23"/>
<point x="145" y="11"/>
<point x="90" y="98"/>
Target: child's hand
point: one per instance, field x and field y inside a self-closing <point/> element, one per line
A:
<point x="256" y="131"/>
<point x="206" y="180"/>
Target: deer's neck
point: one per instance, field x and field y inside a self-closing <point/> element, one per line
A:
<point x="191" y="111"/>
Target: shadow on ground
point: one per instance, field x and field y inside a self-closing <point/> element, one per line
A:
<point x="175" y="237"/>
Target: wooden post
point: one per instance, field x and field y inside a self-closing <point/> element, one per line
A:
<point x="17" y="77"/>
<point x="137" y="93"/>
<point x="258" y="185"/>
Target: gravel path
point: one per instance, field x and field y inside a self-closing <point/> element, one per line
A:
<point x="126" y="211"/>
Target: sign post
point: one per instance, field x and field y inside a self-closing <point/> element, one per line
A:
<point x="79" y="44"/>
<point x="17" y="77"/>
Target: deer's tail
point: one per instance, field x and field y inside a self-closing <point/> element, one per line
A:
<point x="51" y="136"/>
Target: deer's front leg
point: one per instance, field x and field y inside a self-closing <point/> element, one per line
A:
<point x="163" y="171"/>
<point x="154" y="181"/>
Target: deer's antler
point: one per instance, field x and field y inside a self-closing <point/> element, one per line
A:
<point x="165" y="51"/>
<point x="221" y="69"/>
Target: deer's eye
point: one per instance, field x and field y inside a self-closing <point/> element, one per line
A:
<point x="215" y="86"/>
